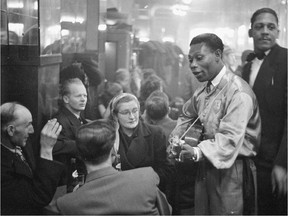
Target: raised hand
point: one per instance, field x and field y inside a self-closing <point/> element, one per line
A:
<point x="48" y="138"/>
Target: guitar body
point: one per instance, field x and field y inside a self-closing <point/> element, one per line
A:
<point x="194" y="135"/>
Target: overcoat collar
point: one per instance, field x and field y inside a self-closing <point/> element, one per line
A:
<point x="72" y="118"/>
<point x="15" y="163"/>
<point x="138" y="148"/>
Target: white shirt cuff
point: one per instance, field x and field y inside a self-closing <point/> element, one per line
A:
<point x="199" y="154"/>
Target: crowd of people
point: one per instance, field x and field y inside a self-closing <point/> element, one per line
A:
<point x="136" y="158"/>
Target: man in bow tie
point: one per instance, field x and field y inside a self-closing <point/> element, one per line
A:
<point x="26" y="189"/>
<point x="268" y="78"/>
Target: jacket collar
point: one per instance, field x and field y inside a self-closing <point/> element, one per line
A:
<point x="72" y="118"/>
<point x="12" y="160"/>
<point x="101" y="173"/>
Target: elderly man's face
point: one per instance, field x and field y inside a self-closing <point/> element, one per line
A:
<point x="21" y="127"/>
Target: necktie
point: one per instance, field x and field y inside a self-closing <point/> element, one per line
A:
<point x="208" y="87"/>
<point x="253" y="55"/>
<point x="80" y="120"/>
<point x="19" y="153"/>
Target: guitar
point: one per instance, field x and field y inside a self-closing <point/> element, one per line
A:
<point x="192" y="136"/>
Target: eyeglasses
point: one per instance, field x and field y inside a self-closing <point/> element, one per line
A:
<point x="128" y="112"/>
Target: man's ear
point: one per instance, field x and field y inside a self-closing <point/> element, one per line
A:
<point x="66" y="99"/>
<point x="10" y="130"/>
<point x="169" y="110"/>
<point x="250" y="33"/>
<point x="218" y="55"/>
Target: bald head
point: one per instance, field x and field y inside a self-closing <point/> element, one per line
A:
<point x="16" y="123"/>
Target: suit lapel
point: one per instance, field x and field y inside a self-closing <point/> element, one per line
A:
<point x="22" y="168"/>
<point x="266" y="73"/>
<point x="264" y="77"/>
<point x="72" y="118"/>
<point x="15" y="163"/>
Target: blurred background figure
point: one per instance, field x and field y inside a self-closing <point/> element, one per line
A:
<point x="111" y="90"/>
<point x="146" y="72"/>
<point x="229" y="58"/>
<point x="150" y="84"/>
<point x="123" y="77"/>
<point x="136" y="78"/>
<point x="157" y="112"/>
<point x="244" y="56"/>
<point x="176" y="107"/>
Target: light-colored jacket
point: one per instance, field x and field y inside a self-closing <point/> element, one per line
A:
<point x="231" y="120"/>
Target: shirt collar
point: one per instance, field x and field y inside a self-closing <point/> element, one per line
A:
<point x="219" y="76"/>
<point x="17" y="149"/>
<point x="267" y="52"/>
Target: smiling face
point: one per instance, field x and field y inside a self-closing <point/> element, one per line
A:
<point x="264" y="32"/>
<point x="128" y="115"/>
<point x="203" y="62"/>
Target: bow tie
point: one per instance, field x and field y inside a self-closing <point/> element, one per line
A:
<point x="253" y="55"/>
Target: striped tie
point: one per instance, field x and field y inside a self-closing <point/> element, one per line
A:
<point x="208" y="87"/>
<point x="19" y="153"/>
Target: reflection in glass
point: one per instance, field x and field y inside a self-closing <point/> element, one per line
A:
<point x="22" y="22"/>
<point x="50" y="41"/>
<point x="4" y="33"/>
<point x="73" y="25"/>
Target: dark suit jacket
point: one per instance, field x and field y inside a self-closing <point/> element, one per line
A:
<point x="24" y="192"/>
<point x="147" y="148"/>
<point x="65" y="147"/>
<point x="109" y="192"/>
<point x="270" y="88"/>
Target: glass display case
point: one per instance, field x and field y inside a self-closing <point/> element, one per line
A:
<point x="4" y="31"/>
<point x="50" y="37"/>
<point x="33" y="25"/>
<point x="73" y="25"/>
<point x="22" y="22"/>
